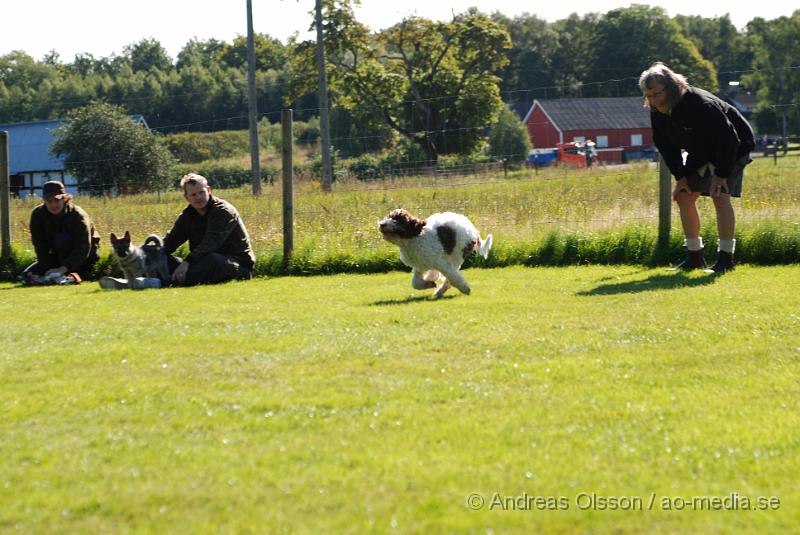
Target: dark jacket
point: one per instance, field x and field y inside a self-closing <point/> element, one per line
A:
<point x="72" y="222"/>
<point x="220" y="230"/>
<point x="708" y="129"/>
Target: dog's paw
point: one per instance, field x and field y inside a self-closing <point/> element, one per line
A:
<point x="422" y="284"/>
<point x="442" y="289"/>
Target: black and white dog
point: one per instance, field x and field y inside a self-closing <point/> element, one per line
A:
<point x="434" y="246"/>
<point x="148" y="260"/>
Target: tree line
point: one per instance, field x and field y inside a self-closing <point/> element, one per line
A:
<point x="433" y="86"/>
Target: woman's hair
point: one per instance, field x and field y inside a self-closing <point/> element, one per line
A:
<point x="674" y="84"/>
<point x="193" y="179"/>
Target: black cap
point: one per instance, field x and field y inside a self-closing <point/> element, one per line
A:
<point x="53" y="189"/>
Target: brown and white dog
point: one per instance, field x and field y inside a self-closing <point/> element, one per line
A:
<point x="434" y="246"/>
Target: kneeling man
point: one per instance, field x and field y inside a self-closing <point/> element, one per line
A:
<point x="64" y="239"/>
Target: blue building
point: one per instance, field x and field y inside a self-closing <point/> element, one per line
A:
<point x="29" y="159"/>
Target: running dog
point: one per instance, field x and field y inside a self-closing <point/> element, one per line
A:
<point x="434" y="246"/>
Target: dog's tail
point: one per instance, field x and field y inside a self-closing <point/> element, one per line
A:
<point x="484" y="246"/>
<point x="156" y="239"/>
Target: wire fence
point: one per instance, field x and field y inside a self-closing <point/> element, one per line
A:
<point x="519" y="206"/>
<point x="425" y="186"/>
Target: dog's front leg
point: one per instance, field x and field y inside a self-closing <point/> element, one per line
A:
<point x="442" y="289"/>
<point x="419" y="282"/>
<point x="455" y="278"/>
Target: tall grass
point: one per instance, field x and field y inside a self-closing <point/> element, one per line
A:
<point x="552" y="217"/>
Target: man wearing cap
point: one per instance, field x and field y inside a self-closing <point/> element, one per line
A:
<point x="63" y="236"/>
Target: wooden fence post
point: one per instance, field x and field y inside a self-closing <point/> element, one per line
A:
<point x="288" y="176"/>
<point x="5" y="199"/>
<point x="664" y="203"/>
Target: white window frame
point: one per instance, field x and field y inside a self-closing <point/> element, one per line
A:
<point x="637" y="140"/>
<point x="602" y="142"/>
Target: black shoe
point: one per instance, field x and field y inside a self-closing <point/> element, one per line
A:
<point x="693" y="260"/>
<point x="724" y="263"/>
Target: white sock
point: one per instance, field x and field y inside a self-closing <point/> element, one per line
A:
<point x="729" y="246"/>
<point x="693" y="244"/>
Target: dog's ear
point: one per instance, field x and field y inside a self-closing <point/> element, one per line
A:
<point x="113" y="238"/>
<point x="400" y="214"/>
<point x="410" y="225"/>
<point x="127" y="235"/>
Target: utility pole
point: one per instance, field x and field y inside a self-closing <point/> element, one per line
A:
<point x="251" y="97"/>
<point x="324" y="120"/>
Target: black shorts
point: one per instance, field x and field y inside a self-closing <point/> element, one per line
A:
<point x="702" y="182"/>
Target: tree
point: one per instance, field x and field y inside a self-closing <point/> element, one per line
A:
<point x="108" y="152"/>
<point x="530" y="68"/>
<point x="432" y="82"/>
<point x="269" y="52"/>
<point x="572" y="57"/>
<point x="202" y="53"/>
<point x="628" y="40"/>
<point x="509" y="138"/>
<point x="148" y="54"/>
<point x="777" y="74"/>
<point x="24" y="78"/>
<point x="719" y="42"/>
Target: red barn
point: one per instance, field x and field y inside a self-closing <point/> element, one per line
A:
<point x="619" y="126"/>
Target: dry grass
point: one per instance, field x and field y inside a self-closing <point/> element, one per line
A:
<point x="517" y="209"/>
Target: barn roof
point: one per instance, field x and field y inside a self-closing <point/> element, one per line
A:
<point x="29" y="145"/>
<point x="607" y="113"/>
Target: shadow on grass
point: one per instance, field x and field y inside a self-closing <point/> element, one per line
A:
<point x="656" y="282"/>
<point x="410" y="299"/>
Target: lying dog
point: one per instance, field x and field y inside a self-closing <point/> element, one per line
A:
<point x="148" y="260"/>
<point x="434" y="246"/>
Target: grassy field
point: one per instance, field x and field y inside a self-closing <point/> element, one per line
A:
<point x="351" y="404"/>
<point x="338" y="230"/>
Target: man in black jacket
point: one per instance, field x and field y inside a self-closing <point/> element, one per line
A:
<point x="717" y="140"/>
<point x="219" y="245"/>
<point x="63" y="237"/>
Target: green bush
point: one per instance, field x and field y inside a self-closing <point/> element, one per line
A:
<point x="366" y="167"/>
<point x="306" y="133"/>
<point x="456" y="160"/>
<point x="509" y="139"/>
<point x="269" y="134"/>
<point x="192" y="147"/>
<point x="225" y="175"/>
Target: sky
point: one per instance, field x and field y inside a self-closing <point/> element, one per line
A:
<point x="104" y="27"/>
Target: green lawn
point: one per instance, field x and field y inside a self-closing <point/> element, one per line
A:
<point x="353" y="404"/>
